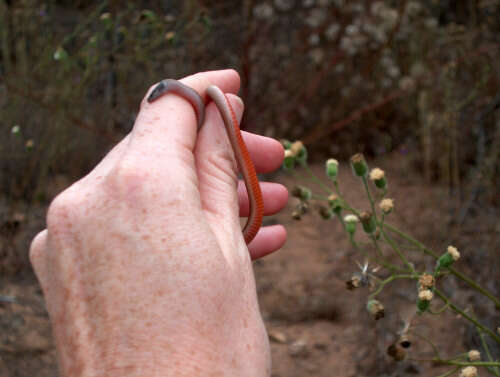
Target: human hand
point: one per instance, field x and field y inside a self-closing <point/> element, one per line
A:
<point x="143" y="265"/>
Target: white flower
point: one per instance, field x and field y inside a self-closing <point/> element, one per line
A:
<point x="377" y="174"/>
<point x="468" y="372"/>
<point x="425" y="295"/>
<point x="386" y="205"/>
<point x="351" y="218"/>
<point x="474" y="355"/>
<point x="452" y="250"/>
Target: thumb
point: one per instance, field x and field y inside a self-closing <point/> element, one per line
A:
<point x="218" y="175"/>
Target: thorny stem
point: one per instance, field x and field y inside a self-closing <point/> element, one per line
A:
<point x="387" y="281"/>
<point x="466" y="316"/>
<point x="458" y="274"/>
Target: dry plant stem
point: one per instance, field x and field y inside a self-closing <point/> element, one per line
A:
<point x="466" y="316"/>
<point x="464" y="278"/>
<point x="387" y="281"/>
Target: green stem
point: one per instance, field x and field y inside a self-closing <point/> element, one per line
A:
<point x="458" y="274"/>
<point x="449" y="373"/>
<point x="317" y="180"/>
<point x="468" y="363"/>
<point x="493" y="370"/>
<point x="398" y="251"/>
<point x="367" y="189"/>
<point x="466" y="316"/>
<point x="387" y="281"/>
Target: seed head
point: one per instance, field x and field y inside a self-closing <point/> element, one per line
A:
<point x="354" y="282"/>
<point x="335" y="203"/>
<point x="376" y="309"/>
<point x="359" y="166"/>
<point x="386" y="205"/>
<point x="469" y="371"/>
<point x="368" y="222"/>
<point x="299" y="152"/>
<point x="396" y="352"/>
<point x="474" y="355"/>
<point x="426" y="281"/>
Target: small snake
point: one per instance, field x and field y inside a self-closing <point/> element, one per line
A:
<point x="240" y="150"/>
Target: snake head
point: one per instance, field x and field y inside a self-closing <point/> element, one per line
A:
<point x="159" y="90"/>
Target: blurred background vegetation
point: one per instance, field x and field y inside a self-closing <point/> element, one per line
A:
<point x="420" y="78"/>
<point x="391" y="78"/>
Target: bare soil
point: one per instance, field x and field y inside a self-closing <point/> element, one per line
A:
<point x="316" y="326"/>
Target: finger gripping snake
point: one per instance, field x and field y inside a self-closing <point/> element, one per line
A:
<point x="245" y="164"/>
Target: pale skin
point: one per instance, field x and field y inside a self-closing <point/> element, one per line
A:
<point x="143" y="265"/>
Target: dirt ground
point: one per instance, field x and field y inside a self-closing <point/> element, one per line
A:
<point x="316" y="326"/>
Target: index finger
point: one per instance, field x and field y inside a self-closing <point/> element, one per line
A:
<point x="171" y="108"/>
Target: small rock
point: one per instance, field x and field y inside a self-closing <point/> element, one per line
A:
<point x="277" y="336"/>
<point x="299" y="349"/>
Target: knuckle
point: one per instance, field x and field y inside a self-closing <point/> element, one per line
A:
<point x="37" y="246"/>
<point x="128" y="180"/>
<point x="63" y="209"/>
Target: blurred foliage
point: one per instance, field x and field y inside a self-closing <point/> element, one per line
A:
<point x="375" y="76"/>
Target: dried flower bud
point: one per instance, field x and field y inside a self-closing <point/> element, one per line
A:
<point x="335" y="203"/>
<point x="469" y="371"/>
<point x="404" y="341"/>
<point x="299" y="152"/>
<point x="289" y="160"/>
<point x="447" y="259"/>
<point x="368" y="222"/>
<point x="350" y="223"/>
<point x="302" y="193"/>
<point x="359" y="166"/>
<point x="397" y="353"/>
<point x="474" y="355"/>
<point x="426" y="281"/>
<point x="30" y="143"/>
<point x="332" y="168"/>
<point x="299" y="210"/>
<point x="377" y="175"/>
<point x="354" y="282"/>
<point x="325" y="212"/>
<point x="386" y="205"/>
<point x="376" y="309"/>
